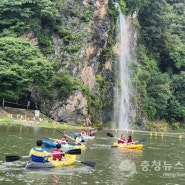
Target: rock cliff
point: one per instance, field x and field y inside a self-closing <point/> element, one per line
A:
<point x="93" y="36"/>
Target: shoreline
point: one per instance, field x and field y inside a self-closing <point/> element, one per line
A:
<point x="37" y="123"/>
<point x="55" y="125"/>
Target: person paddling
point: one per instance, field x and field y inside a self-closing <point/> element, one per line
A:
<point x="122" y="139"/>
<point x="57" y="153"/>
<point x="91" y="133"/>
<point x="83" y="132"/>
<point x="130" y="140"/>
<point x="79" y="140"/>
<point x="63" y="140"/>
<point x="38" y="154"/>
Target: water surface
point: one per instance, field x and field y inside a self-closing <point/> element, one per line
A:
<point x="161" y="162"/>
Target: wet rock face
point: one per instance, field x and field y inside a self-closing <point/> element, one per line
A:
<point x="83" y="64"/>
<point x="74" y="109"/>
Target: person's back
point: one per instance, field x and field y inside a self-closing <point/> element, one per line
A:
<point x="37" y="153"/>
<point x="57" y="153"/>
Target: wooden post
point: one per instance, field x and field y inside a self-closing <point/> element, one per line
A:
<point x="3" y="103"/>
<point x="28" y="105"/>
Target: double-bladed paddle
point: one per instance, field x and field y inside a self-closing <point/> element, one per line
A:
<point x="110" y="135"/>
<point x="44" y="137"/>
<point x="87" y="163"/>
<point x="99" y="129"/>
<point x="65" y="135"/>
<point x="11" y="158"/>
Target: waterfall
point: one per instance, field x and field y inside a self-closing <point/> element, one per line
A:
<point x="122" y="84"/>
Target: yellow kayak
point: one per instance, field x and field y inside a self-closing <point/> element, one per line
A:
<point x="70" y="159"/>
<point x="80" y="147"/>
<point x="129" y="146"/>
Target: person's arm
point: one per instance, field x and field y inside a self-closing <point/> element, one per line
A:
<point x="30" y="153"/>
<point x="46" y="154"/>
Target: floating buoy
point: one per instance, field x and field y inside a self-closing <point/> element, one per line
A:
<point x="180" y="137"/>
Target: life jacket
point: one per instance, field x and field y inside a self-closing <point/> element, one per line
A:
<point x="121" y="141"/>
<point x="57" y="154"/>
<point x="91" y="134"/>
<point x="83" y="133"/>
<point x="37" y="155"/>
<point x="130" y="141"/>
<point x="78" y="141"/>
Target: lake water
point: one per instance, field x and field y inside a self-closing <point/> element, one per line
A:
<point x="161" y="162"/>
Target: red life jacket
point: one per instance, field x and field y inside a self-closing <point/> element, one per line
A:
<point x="130" y="141"/>
<point x="57" y="154"/>
<point x="91" y="134"/>
<point x="83" y="133"/>
<point x="121" y="141"/>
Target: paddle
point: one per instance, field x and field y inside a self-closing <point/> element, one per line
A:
<point x="44" y="137"/>
<point x="87" y="163"/>
<point x="65" y="135"/>
<point x="71" y="138"/>
<point x="99" y="129"/>
<point x="11" y="158"/>
<point x="110" y="135"/>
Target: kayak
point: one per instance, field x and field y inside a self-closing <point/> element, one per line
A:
<point x="83" y="136"/>
<point x="88" y="137"/>
<point x="70" y="159"/>
<point x="131" y="146"/>
<point x="49" y="144"/>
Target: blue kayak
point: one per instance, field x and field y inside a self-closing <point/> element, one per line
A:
<point x="49" y="144"/>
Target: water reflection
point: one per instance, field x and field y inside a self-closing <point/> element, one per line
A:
<point x="110" y="162"/>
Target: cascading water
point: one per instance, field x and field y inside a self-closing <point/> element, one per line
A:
<point x="122" y="90"/>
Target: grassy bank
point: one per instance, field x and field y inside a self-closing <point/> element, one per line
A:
<point x="16" y="116"/>
<point x="36" y="123"/>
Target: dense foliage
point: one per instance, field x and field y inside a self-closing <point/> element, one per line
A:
<point x="21" y="65"/>
<point x="159" y="77"/>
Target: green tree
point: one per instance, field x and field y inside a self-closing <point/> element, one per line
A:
<point x="63" y="84"/>
<point x="158" y="89"/>
<point x="21" y="65"/>
<point x="19" y="15"/>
